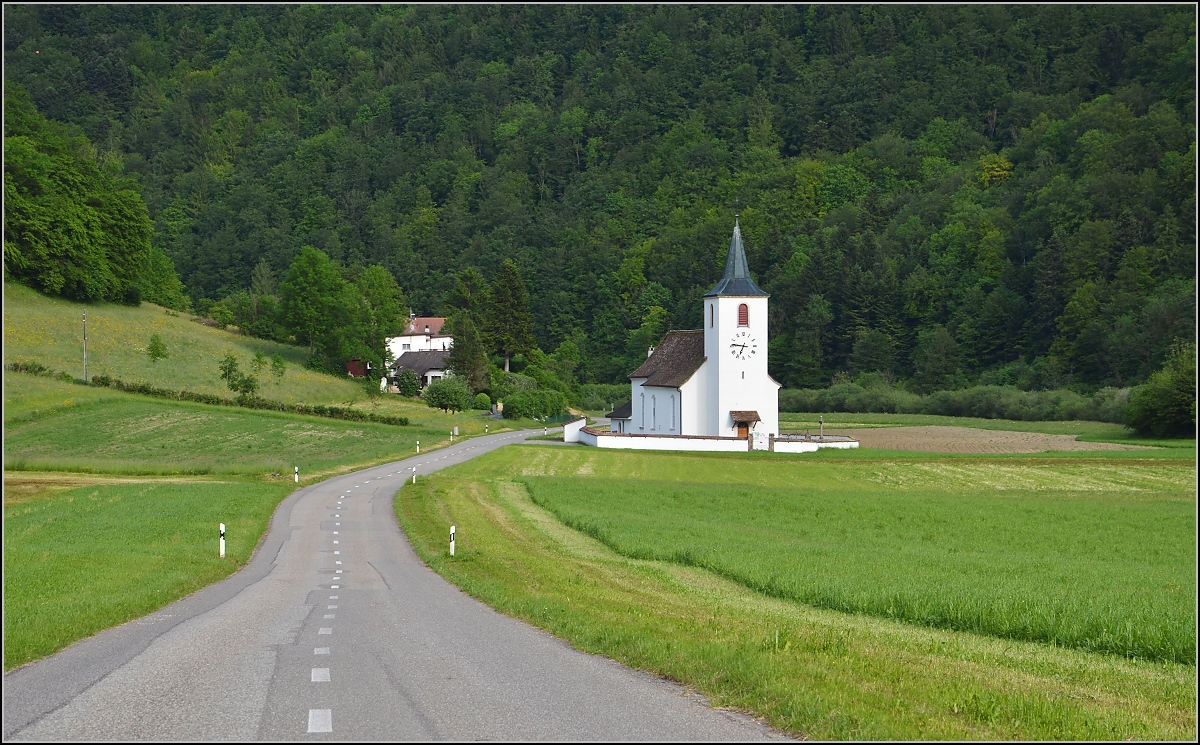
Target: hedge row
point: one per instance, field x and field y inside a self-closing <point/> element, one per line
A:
<point x="246" y="402"/>
<point x="984" y="402"/>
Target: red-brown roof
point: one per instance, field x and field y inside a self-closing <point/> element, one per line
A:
<point x="679" y="356"/>
<point x="745" y="417"/>
<point x="419" y="324"/>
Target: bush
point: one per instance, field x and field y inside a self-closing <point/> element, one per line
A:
<point x="598" y="396"/>
<point x="482" y="402"/>
<point x="450" y="393"/>
<point x="1166" y="405"/>
<point x="982" y="401"/>
<point x="408" y="384"/>
<point x="535" y="404"/>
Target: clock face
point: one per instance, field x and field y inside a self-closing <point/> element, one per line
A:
<point x="743" y="345"/>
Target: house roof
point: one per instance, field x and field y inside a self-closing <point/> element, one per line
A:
<point x="418" y="325"/>
<point x="679" y="356"/>
<point x="420" y="362"/>
<point x="736" y="280"/>
<point x="624" y="411"/>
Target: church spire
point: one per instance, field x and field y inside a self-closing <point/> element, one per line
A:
<point x="736" y="280"/>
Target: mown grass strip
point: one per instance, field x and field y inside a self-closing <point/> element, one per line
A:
<point x="813" y="673"/>
<point x="83" y="559"/>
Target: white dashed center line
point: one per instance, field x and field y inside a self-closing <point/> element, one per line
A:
<point x="320" y="650"/>
<point x="330" y="615"/>
<point x="320" y="720"/>
<point x="330" y="607"/>
<point x="336" y="552"/>
<point x="326" y="630"/>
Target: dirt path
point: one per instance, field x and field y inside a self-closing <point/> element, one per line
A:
<point x="938" y="439"/>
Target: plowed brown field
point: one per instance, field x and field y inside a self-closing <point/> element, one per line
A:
<point x="938" y="439"/>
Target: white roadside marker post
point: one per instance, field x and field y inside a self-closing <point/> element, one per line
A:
<point x="222" y="540"/>
<point x="414" y="474"/>
<point x="297" y="474"/>
<point x="451" y="437"/>
<point x="822" y="420"/>
<point x="485" y="429"/>
<point x="451" y="540"/>
<point x="418" y="447"/>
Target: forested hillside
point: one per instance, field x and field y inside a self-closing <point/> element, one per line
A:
<point x="948" y="193"/>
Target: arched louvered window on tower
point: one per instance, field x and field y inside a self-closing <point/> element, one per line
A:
<point x="743" y="315"/>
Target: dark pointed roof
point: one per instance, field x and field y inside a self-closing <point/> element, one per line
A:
<point x="737" y="279"/>
<point x="679" y="356"/>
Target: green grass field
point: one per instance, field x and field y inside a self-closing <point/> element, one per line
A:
<point x="81" y="559"/>
<point x="1084" y="431"/>
<point x="51" y="425"/>
<point x="1092" y="556"/>
<point x="823" y="673"/>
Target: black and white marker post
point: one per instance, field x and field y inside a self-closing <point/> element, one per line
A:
<point x="222" y="540"/>
<point x="414" y="474"/>
<point x="451" y="540"/>
<point x="297" y="474"/>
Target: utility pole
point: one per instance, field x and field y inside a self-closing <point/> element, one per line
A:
<point x="85" y="375"/>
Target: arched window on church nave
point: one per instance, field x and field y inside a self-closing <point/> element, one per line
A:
<point x="642" y="422"/>
<point x="672" y="412"/>
<point x="743" y="315"/>
<point x="653" y="412"/>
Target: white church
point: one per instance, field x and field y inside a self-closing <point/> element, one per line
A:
<point x="708" y="389"/>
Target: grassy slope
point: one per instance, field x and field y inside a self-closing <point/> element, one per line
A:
<point x="50" y="331"/>
<point x="816" y="673"/>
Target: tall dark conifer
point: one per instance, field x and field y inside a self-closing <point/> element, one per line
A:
<point x="508" y="318"/>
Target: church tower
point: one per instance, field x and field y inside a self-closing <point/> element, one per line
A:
<point x="742" y="397"/>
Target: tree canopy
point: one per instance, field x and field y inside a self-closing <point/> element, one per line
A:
<point x="963" y="193"/>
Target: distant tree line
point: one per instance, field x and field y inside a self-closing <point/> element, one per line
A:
<point x="941" y="195"/>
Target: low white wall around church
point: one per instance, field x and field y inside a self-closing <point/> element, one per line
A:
<point x="662" y="442"/>
<point x="571" y="429"/>
<point x="795" y="447"/>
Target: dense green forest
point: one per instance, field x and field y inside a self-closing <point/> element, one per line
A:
<point x="948" y="194"/>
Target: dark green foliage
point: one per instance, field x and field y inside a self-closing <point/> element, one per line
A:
<point x="467" y="358"/>
<point x="508" y="315"/>
<point x="408" y="384"/>
<point x="1022" y="177"/>
<point x="1166" y="405"/>
<point x="450" y="393"/>
<point x="536" y="403"/>
<point x="984" y="402"/>
<point x="157" y="350"/>
<point x="72" y="226"/>
<point x="482" y="402"/>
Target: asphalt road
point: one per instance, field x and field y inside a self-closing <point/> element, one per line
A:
<point x="336" y="630"/>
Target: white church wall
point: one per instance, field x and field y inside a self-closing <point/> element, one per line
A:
<point x="637" y="416"/>
<point x="664" y="442"/>
<point x="662" y="410"/>
<point x="742" y="384"/>
<point x="693" y="396"/>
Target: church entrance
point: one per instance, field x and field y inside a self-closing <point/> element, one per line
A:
<point x="743" y="431"/>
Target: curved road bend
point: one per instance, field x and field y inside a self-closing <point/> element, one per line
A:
<point x="336" y="630"/>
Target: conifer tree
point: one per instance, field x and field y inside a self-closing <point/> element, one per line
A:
<point x="467" y="358"/>
<point x="508" y="313"/>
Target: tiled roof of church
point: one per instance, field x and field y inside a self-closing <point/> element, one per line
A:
<point x="676" y="359"/>
<point x="736" y="280"/>
<point x="624" y="411"/>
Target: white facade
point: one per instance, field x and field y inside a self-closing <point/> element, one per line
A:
<point x="398" y="345"/>
<point x="736" y="353"/>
